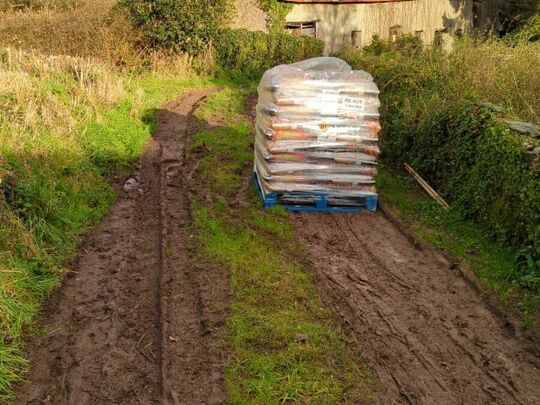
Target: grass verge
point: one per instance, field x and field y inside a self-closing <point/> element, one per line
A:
<point x="66" y="125"/>
<point x="286" y="346"/>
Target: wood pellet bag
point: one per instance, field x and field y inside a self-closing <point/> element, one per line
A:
<point x="317" y="129"/>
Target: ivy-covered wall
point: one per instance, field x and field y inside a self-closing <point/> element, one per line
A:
<point x="249" y="15"/>
<point x="276" y="12"/>
<point x="261" y="15"/>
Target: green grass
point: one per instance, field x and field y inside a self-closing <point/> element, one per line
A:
<point x="494" y="263"/>
<point x="274" y="295"/>
<point x="227" y="104"/>
<point x="224" y="174"/>
<point x="54" y="165"/>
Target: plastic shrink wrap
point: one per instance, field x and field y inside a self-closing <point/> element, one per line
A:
<point x="317" y="129"/>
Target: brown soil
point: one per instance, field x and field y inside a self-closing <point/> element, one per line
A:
<point x="137" y="321"/>
<point x="422" y="325"/>
<point x="140" y="318"/>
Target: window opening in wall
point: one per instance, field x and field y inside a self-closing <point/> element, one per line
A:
<point x="395" y="31"/>
<point x="356" y="38"/>
<point x="477" y="14"/>
<point x="438" y="39"/>
<point x="302" y="28"/>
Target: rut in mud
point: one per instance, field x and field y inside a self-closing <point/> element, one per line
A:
<point x="137" y="321"/>
<point x="425" y="330"/>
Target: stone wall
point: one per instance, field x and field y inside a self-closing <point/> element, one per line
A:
<point x="336" y="23"/>
<point x="424" y="18"/>
<point x="249" y="16"/>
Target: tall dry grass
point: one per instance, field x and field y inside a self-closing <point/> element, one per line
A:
<point x="492" y="71"/>
<point x="501" y="74"/>
<point x="41" y="93"/>
<point x="10" y="5"/>
<point x="93" y="28"/>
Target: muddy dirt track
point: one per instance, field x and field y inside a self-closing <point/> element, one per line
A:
<point x="424" y="329"/>
<point x="136" y="322"/>
<point x="139" y="320"/>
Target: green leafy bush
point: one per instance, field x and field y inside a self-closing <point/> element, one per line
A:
<point x="178" y="25"/>
<point x="247" y="54"/>
<point x="514" y="13"/>
<point x="276" y="12"/>
<point x="432" y="118"/>
<point x="406" y="44"/>
<point x="529" y="32"/>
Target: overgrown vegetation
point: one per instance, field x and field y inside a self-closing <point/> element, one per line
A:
<point x="433" y="120"/>
<point x="92" y="29"/>
<point x="514" y="13"/>
<point x="65" y="125"/>
<point x="149" y="39"/>
<point x="287" y="347"/>
<point x="10" y="5"/>
<point x="277" y="13"/>
<point x="529" y="32"/>
<point x="247" y="54"/>
<point x="181" y="26"/>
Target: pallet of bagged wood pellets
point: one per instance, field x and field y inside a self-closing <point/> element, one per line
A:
<point x="316" y="141"/>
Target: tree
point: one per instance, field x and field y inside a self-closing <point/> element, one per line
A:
<point x="178" y="25"/>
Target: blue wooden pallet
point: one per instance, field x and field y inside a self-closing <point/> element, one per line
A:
<point x="313" y="202"/>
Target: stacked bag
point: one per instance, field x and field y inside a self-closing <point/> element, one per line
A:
<point x="317" y="131"/>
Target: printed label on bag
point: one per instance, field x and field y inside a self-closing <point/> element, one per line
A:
<point x="351" y="106"/>
<point x="332" y="104"/>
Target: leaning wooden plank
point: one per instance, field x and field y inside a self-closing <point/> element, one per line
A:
<point x="427" y="187"/>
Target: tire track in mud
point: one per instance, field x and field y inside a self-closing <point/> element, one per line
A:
<point x="138" y="320"/>
<point x="426" y="332"/>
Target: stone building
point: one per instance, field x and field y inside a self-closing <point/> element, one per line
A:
<point x="249" y="16"/>
<point x="355" y="22"/>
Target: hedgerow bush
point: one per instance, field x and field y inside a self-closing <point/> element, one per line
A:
<point x="247" y="54"/>
<point x="433" y="118"/>
<point x="178" y="25"/>
<point x="514" y="13"/>
<point x="277" y="13"/>
<point x="529" y="32"/>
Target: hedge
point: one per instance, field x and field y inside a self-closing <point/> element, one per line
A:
<point x="247" y="54"/>
<point x="185" y="26"/>
<point x="475" y="161"/>
<point x="433" y="119"/>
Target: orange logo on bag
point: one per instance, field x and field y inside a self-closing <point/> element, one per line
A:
<point x="324" y="126"/>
